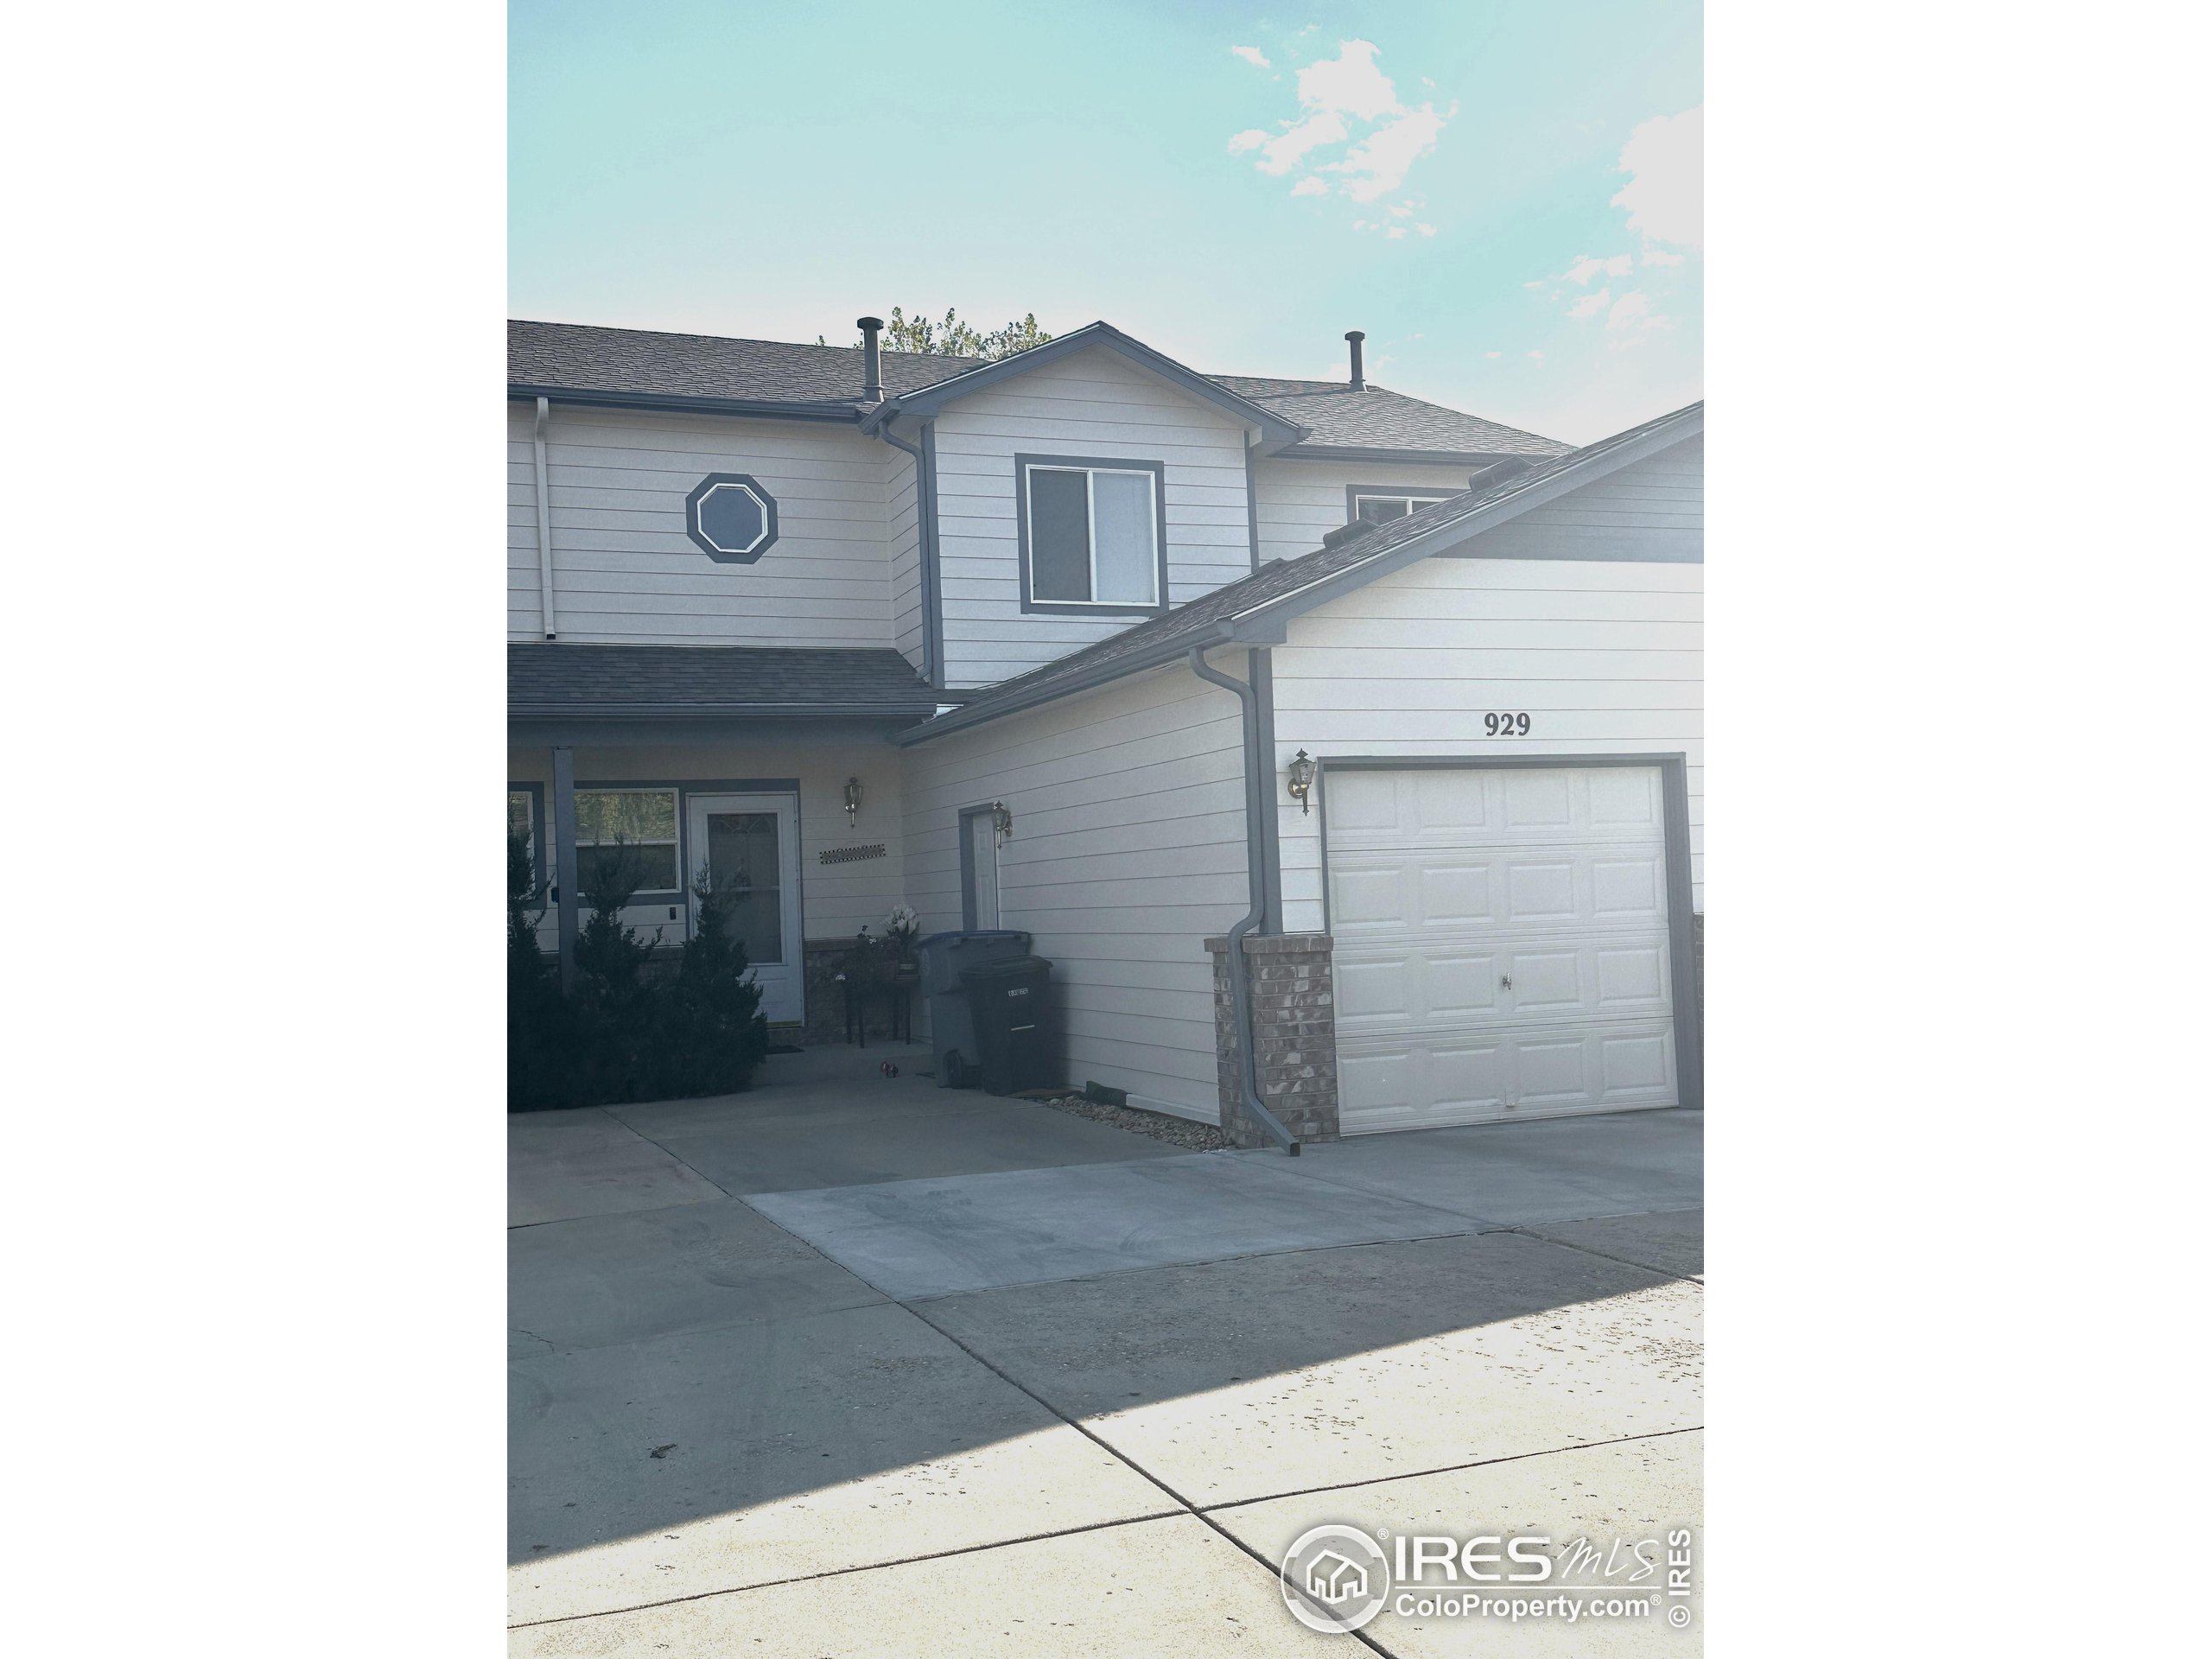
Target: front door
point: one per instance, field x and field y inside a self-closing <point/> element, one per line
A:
<point x="979" y="868"/>
<point x="747" y="845"/>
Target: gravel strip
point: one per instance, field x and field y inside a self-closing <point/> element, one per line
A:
<point x="1176" y="1131"/>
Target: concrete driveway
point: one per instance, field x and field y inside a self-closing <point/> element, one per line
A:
<point x="855" y="1365"/>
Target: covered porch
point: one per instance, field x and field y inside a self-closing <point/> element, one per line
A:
<point x="644" y="767"/>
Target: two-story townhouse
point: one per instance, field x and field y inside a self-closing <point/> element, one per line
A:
<point x="1055" y="643"/>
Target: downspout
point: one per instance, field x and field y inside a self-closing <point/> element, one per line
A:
<point x="544" y="525"/>
<point x="1239" y="986"/>
<point x="925" y="547"/>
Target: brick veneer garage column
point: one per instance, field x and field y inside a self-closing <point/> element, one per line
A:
<point x="1294" y="1029"/>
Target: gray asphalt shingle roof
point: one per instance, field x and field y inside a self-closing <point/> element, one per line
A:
<point x="1340" y="418"/>
<point x="577" y="357"/>
<point x="549" y="679"/>
<point x="1197" y="621"/>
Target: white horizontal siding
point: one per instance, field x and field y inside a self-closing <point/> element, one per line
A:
<point x="1605" y="658"/>
<point x="1128" y="852"/>
<point x="1653" y="508"/>
<point x="835" y="900"/>
<point x="1093" y="404"/>
<point x="1298" y="502"/>
<point x="625" y="571"/>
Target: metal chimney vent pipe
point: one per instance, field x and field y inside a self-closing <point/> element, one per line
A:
<point x="872" y="359"/>
<point x="1358" y="369"/>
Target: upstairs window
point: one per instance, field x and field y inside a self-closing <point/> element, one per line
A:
<point x="1091" y="536"/>
<point x="1380" y="506"/>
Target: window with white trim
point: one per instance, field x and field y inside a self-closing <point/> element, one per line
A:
<point x="627" y="838"/>
<point x="1381" y="509"/>
<point x="1092" y="534"/>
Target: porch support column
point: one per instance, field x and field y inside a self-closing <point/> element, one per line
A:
<point x="564" y="857"/>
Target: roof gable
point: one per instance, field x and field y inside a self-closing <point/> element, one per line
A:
<point x="1274" y="429"/>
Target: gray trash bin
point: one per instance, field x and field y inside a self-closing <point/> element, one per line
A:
<point x="944" y="958"/>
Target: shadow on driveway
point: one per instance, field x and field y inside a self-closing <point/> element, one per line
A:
<point x="704" y="1401"/>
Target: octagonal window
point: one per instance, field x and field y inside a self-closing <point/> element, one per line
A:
<point x="731" y="518"/>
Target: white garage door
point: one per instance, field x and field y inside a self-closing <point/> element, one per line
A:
<point x="1501" y="943"/>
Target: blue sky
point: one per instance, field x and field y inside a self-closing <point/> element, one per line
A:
<point x="1504" y="196"/>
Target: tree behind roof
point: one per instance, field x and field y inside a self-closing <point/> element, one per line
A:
<point x="954" y="337"/>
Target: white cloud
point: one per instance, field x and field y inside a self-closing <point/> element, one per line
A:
<point x="1586" y="266"/>
<point x="1538" y="283"/>
<point x="1387" y="153"/>
<point x="1337" y="96"/>
<point x="1310" y="185"/>
<point x="1253" y="55"/>
<point x="1590" y="304"/>
<point x="1535" y="357"/>
<point x="1631" y="310"/>
<point x="1493" y="356"/>
<point x="1396" y="233"/>
<point x="1283" y="151"/>
<point x="1661" y="256"/>
<point x="1665" y="194"/>
<point x="1425" y="230"/>
<point x="1348" y="84"/>
<point x="1399" y="210"/>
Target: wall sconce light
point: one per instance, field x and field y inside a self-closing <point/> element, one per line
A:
<point x="852" y="801"/>
<point x="1002" y="822"/>
<point x="1300" y="780"/>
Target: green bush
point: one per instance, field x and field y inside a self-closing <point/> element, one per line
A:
<point x="537" y="1060"/>
<point x="711" y="1031"/>
<point x="623" y="1033"/>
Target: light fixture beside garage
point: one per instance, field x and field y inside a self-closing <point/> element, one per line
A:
<point x="1002" y="822"/>
<point x="1299" y="779"/>
<point x="852" y="801"/>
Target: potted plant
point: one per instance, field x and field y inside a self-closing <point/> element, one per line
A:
<point x="900" y="929"/>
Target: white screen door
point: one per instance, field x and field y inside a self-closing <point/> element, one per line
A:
<point x="979" y="868"/>
<point x="748" y="844"/>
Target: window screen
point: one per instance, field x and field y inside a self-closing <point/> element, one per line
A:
<point x="1121" y="506"/>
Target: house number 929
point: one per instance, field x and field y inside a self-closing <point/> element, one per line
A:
<point x="1505" y="725"/>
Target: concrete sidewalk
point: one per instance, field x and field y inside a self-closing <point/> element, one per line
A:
<point x="851" y="1365"/>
